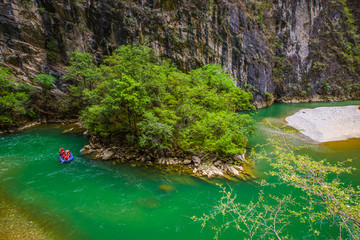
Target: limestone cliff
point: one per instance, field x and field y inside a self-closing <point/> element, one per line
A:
<point x="278" y="49"/>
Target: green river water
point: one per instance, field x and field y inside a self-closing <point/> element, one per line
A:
<point x="88" y="199"/>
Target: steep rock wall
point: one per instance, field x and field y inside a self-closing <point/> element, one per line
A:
<point x="279" y="50"/>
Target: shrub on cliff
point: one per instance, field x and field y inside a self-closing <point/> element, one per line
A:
<point x="14" y="99"/>
<point x="46" y="82"/>
<point x="154" y="105"/>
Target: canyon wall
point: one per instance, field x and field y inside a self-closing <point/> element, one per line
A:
<point x="280" y="50"/>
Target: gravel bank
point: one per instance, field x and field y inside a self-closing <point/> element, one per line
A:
<point x="326" y="124"/>
<point x="15" y="225"/>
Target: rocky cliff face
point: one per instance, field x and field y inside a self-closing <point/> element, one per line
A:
<point x="278" y="49"/>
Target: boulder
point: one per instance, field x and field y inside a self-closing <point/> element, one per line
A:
<point x="86" y="150"/>
<point x="82" y="151"/>
<point x="218" y="163"/>
<point x="196" y="160"/>
<point x="239" y="168"/>
<point x="170" y="162"/>
<point x="240" y="157"/>
<point x="212" y="171"/>
<point x="232" y="170"/>
<point x="107" y="154"/>
<point x="186" y="162"/>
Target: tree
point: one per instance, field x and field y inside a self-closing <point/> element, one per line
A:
<point x="13" y="99"/>
<point x="83" y="74"/>
<point x="222" y="132"/>
<point x="82" y="70"/>
<point x="324" y="197"/>
<point x="46" y="82"/>
<point x="210" y="122"/>
<point x="257" y="220"/>
<point x="121" y="106"/>
<point x="155" y="133"/>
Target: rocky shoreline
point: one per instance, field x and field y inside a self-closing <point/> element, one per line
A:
<point x="15" y="224"/>
<point x="179" y="161"/>
<point x="36" y="123"/>
<point x="176" y="161"/>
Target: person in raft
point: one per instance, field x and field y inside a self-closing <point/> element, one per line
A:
<point x="61" y="151"/>
<point x="67" y="154"/>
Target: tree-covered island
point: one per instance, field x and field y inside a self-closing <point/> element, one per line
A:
<point x="136" y="106"/>
<point x="135" y="99"/>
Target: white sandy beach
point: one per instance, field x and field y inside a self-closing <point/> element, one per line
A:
<point x="326" y="124"/>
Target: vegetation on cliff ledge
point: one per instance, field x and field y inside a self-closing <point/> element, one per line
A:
<point x="137" y="96"/>
<point x="14" y="100"/>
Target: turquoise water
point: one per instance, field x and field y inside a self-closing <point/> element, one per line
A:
<point x="88" y="199"/>
<point x="333" y="152"/>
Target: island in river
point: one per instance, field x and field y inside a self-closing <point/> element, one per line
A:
<point x="327" y="124"/>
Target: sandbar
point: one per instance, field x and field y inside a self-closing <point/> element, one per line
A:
<point x="327" y="124"/>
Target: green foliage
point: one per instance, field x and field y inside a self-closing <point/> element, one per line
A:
<point x="347" y="38"/>
<point x="324" y="198"/>
<point x="116" y="110"/>
<point x="268" y="95"/>
<point x="155" y="134"/>
<point x="334" y="200"/>
<point x="263" y="219"/>
<point x="13" y="99"/>
<point x="52" y="50"/>
<point x="326" y="86"/>
<point x="82" y="71"/>
<point x="82" y="74"/>
<point x="319" y="66"/>
<point x="41" y="10"/>
<point x="260" y="16"/>
<point x="27" y="4"/>
<point x="149" y="101"/>
<point x="46" y="82"/>
<point x="220" y="132"/>
<point x="349" y="19"/>
<point x="256" y="10"/>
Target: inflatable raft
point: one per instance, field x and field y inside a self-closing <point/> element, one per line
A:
<point x="63" y="160"/>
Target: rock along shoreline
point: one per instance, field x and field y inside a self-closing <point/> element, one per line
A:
<point x="176" y="161"/>
<point x="202" y="166"/>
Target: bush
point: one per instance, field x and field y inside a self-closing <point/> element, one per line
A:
<point x="46" y="82"/>
<point x="13" y="100"/>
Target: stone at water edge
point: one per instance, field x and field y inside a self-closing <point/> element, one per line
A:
<point x="196" y="160"/>
<point x="240" y="157"/>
